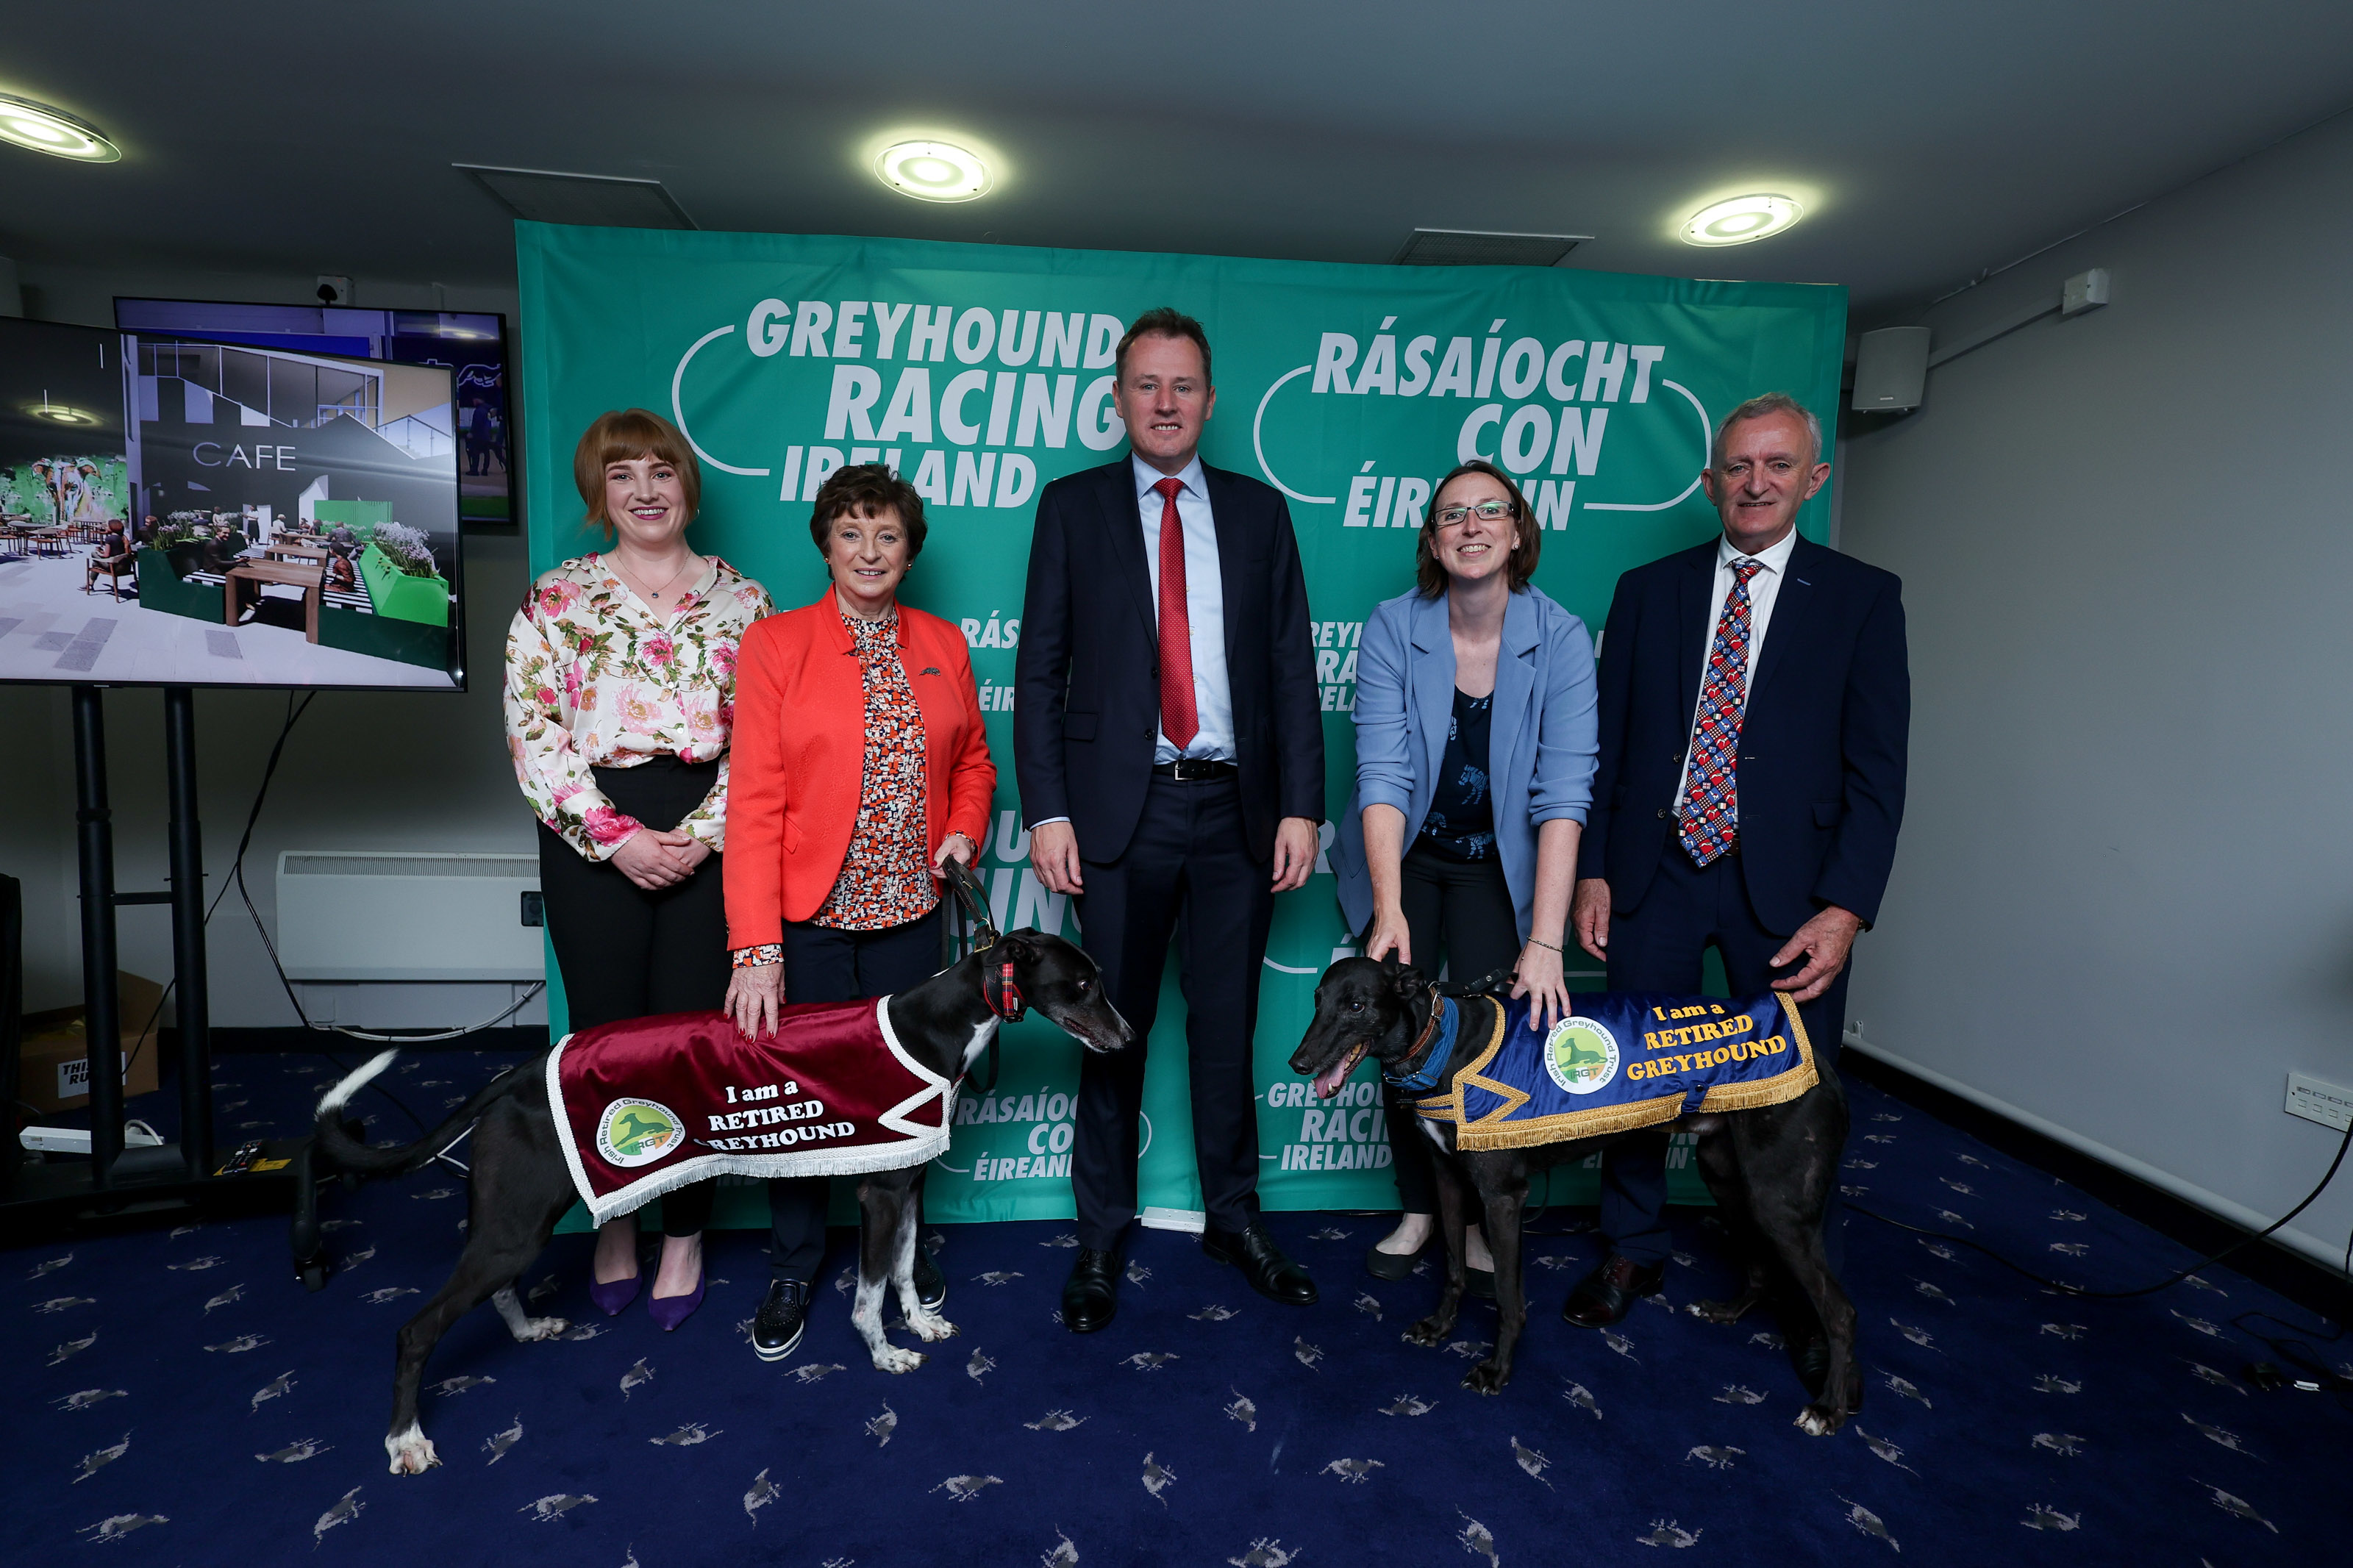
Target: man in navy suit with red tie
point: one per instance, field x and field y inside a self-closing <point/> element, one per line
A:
<point x="1169" y="745"/>
<point x="1755" y="710"/>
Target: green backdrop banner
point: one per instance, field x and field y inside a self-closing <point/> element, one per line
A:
<point x="982" y="371"/>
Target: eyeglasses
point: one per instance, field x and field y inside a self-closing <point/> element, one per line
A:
<point x="1487" y="510"/>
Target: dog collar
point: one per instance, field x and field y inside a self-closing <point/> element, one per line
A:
<point x="1433" y="1049"/>
<point x="998" y="988"/>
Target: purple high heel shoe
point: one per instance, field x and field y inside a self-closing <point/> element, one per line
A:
<point x="669" y="1312"/>
<point x="616" y="1295"/>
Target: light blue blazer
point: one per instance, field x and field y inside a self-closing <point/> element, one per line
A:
<point x="1541" y="746"/>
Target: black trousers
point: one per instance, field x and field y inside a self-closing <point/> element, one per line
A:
<point x="822" y="965"/>
<point x="1186" y="876"/>
<point x="1659" y="947"/>
<point x="1460" y="911"/>
<point x="628" y="953"/>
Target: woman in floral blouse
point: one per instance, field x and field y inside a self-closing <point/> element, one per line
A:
<point x="620" y="696"/>
<point x="861" y="767"/>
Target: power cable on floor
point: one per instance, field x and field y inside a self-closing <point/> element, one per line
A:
<point x="294" y="711"/>
<point x="236" y="874"/>
<point x="2249" y="1239"/>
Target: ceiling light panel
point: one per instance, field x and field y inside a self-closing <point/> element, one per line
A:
<point x="1741" y="220"/>
<point x="932" y="170"/>
<point x="52" y="131"/>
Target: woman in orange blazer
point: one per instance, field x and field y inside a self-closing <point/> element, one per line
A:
<point x="859" y="767"/>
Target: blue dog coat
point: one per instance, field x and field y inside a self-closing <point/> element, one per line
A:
<point x="1623" y="1060"/>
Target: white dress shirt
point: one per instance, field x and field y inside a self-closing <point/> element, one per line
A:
<point x="1204" y="607"/>
<point x="1764" y="589"/>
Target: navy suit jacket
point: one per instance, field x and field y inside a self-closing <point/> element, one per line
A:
<point x="1822" y="743"/>
<point x="1087" y="706"/>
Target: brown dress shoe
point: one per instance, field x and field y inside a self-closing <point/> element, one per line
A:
<point x="1604" y="1297"/>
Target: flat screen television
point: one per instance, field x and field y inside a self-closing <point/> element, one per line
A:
<point x="180" y="512"/>
<point x="472" y="345"/>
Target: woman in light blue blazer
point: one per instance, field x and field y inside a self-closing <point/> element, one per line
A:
<point x="1475" y="746"/>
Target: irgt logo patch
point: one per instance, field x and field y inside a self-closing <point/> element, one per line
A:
<point x="635" y="1133"/>
<point x="1580" y="1055"/>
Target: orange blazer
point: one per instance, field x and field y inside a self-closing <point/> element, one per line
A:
<point x="797" y="758"/>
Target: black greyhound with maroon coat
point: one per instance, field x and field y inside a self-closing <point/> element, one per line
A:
<point x="520" y="1186"/>
<point x="1770" y="1169"/>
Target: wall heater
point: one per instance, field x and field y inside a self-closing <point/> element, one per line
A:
<point x="345" y="915"/>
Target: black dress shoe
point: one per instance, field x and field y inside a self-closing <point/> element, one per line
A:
<point x="784" y="1313"/>
<point x="931" y="1285"/>
<point x="1090" y="1295"/>
<point x="1270" y="1274"/>
<point x="1605" y="1296"/>
<point x="1480" y="1282"/>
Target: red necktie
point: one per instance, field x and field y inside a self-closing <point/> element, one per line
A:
<point x="1179" y="720"/>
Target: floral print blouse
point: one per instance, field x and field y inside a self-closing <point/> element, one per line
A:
<point x="594" y="679"/>
<point x="886" y="879"/>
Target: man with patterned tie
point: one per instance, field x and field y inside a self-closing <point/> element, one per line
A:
<point x="1169" y="745"/>
<point x="1750" y="785"/>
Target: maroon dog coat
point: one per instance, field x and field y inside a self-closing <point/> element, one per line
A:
<point x="648" y="1105"/>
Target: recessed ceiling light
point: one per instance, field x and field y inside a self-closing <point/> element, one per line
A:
<point x="1740" y="220"/>
<point x="54" y="131"/>
<point x="932" y="170"/>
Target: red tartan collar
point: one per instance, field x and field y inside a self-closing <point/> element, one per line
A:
<point x="998" y="988"/>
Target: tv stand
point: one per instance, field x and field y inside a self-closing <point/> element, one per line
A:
<point x="180" y="1175"/>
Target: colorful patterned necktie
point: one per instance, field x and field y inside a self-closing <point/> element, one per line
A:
<point x="1708" y="816"/>
<point x="1178" y="719"/>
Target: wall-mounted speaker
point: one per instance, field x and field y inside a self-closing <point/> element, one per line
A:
<point x="1890" y="370"/>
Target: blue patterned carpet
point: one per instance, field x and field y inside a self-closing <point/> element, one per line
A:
<point x="179" y="1393"/>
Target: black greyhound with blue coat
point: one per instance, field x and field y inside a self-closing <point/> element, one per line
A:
<point x="1770" y="1169"/>
<point x="520" y="1186"/>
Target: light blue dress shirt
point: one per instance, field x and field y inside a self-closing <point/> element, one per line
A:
<point x="1204" y="607"/>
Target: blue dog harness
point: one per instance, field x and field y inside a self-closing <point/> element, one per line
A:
<point x="1622" y="1060"/>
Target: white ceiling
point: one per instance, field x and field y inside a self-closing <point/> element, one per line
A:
<point x="1930" y="139"/>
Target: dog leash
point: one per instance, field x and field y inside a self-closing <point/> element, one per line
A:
<point x="1494" y="983"/>
<point x="996" y="983"/>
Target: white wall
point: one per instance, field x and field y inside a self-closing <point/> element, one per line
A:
<point x="2123" y="905"/>
<point x="364" y="771"/>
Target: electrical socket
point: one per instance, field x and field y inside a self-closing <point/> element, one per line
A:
<point x="2314" y="1100"/>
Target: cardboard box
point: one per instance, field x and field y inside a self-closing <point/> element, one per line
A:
<point x="54" y="1074"/>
